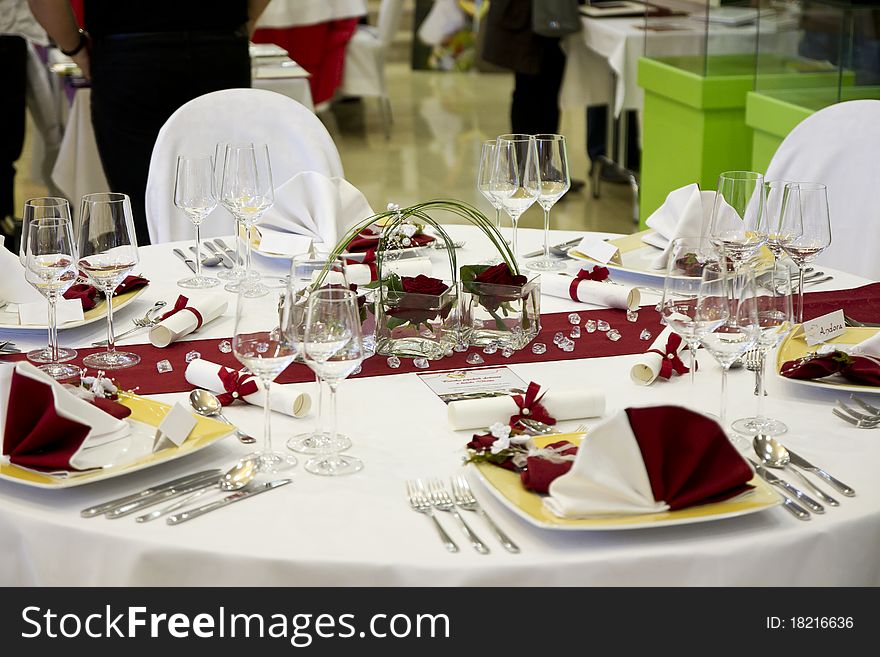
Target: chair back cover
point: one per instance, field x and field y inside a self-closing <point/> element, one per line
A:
<point x="390" y="12"/>
<point x="838" y="146"/>
<point x="297" y="140"/>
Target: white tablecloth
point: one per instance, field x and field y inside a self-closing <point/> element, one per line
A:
<point x="359" y="530"/>
<point x="291" y="13"/>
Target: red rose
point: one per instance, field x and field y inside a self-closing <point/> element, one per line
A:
<point x="417" y="303"/>
<point x="422" y="284"/>
<point x="500" y="274"/>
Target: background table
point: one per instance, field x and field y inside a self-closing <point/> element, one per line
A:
<point x="359" y="530"/>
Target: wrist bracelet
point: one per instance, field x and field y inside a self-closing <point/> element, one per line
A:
<point x="83" y="40"/>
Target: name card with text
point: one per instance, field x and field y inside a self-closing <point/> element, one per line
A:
<point x="824" y="328"/>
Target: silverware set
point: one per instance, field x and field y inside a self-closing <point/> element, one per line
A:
<point x="428" y="496"/>
<point x="8" y="347"/>
<point x="149" y="320"/>
<point x="866" y="418"/>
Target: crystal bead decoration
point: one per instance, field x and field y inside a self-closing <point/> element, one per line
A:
<point x="393" y="362"/>
<point x="613" y="335"/>
<point x="461" y="347"/>
<point x="475" y="359"/>
<point x="602" y="325"/>
<point x="225" y="347"/>
<point x="539" y="348"/>
<point x="163" y="366"/>
<point x="421" y="363"/>
<point x="192" y="355"/>
<point x="490" y="348"/>
<point x="645" y="335"/>
<point x="574" y="319"/>
<point x="507" y="352"/>
<point x="357" y="370"/>
<point x="575" y="332"/>
<point x="632" y="316"/>
<point x="590" y="326"/>
<point x="558" y="337"/>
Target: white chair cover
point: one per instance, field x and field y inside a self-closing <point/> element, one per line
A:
<point x="838" y="147"/>
<point x="364" y="73"/>
<point x="297" y="142"/>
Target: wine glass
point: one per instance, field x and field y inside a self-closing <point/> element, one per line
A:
<point x="108" y="251"/>
<point x="262" y="343"/>
<point x="196" y="195"/>
<point x="333" y="349"/>
<point x="516" y="181"/>
<point x="681" y="287"/>
<point x="727" y="320"/>
<point x="555" y="182"/>
<point x="738" y="223"/>
<point x="51" y="269"/>
<point x="484" y="177"/>
<point x="308" y="274"/>
<point x="247" y="192"/>
<point x="774" y="307"/>
<point x="774" y="194"/>
<point x="237" y="272"/>
<point x="805" y="229"/>
<point x="46" y="207"/>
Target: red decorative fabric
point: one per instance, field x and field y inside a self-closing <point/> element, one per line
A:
<point x="858" y="369"/>
<point x="530" y="407"/>
<point x="179" y="305"/>
<point x="88" y="294"/>
<point x="860" y="303"/>
<point x="688" y="457"/>
<point x="540" y="472"/>
<point x="111" y="407"/>
<point x="671" y="360"/>
<point x="236" y="385"/>
<point x="366" y="243"/>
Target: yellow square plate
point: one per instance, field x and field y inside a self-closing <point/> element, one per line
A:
<point x="10" y="320"/>
<point x="128" y="454"/>
<point x="508" y="489"/>
<point x="795" y="346"/>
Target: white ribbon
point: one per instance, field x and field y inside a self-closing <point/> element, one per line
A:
<point x="552" y="454"/>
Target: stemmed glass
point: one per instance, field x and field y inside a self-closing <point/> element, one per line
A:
<point x="555" y="182"/>
<point x="774" y="194"/>
<point x="333" y="349"/>
<point x="805" y="229"/>
<point x="51" y="269"/>
<point x="38" y="209"/>
<point x="727" y="320"/>
<point x="108" y="251"/>
<point x="516" y="181"/>
<point x="305" y="271"/>
<point x="262" y="343"/>
<point x="738" y="223"/>
<point x="775" y="320"/>
<point x="484" y="177"/>
<point x="247" y="192"/>
<point x="196" y="195"/>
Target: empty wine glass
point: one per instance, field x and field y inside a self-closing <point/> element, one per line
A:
<point x="774" y="307"/>
<point x="333" y="349"/>
<point x="308" y="274"/>
<point x="237" y="272"/>
<point x="262" y="343"/>
<point x="738" y="223"/>
<point x="555" y="182"/>
<point x="108" y="251"/>
<point x="196" y="195"/>
<point x="51" y="269"/>
<point x="247" y="192"/>
<point x="774" y="194"/>
<point x="484" y="177"/>
<point x="46" y="207"/>
<point x="805" y="229"/>
<point x="516" y="181"/>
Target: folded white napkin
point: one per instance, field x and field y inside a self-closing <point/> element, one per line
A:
<point x="184" y="322"/>
<point x="685" y="213"/>
<point x="13" y="286"/>
<point x="647" y="369"/>
<point x="869" y="347"/>
<point x="560" y="404"/>
<point x="283" y="399"/>
<point x="37" y="312"/>
<point x="361" y="274"/>
<point x="608" y="476"/>
<point x="311" y="208"/>
<point x="600" y="293"/>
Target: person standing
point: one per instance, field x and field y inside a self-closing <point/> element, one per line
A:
<point x="145" y="60"/>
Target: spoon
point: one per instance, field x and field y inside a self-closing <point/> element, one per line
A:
<point x="774" y="454"/>
<point x="207" y="261"/>
<point x="238" y="476"/>
<point x="206" y="403"/>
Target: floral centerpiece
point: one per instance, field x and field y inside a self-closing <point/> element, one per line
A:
<point x="499" y="306"/>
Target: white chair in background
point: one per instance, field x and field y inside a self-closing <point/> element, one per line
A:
<point x="297" y="140"/>
<point x="364" y="72"/>
<point x="839" y="146"/>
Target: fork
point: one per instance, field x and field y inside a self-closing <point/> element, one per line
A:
<point x="418" y="500"/>
<point x="464" y="498"/>
<point x="870" y="417"/>
<point x="861" y="424"/>
<point x="147" y="321"/>
<point x="873" y="410"/>
<point x="442" y="501"/>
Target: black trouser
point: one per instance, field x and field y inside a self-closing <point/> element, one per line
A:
<point x="597" y="136"/>
<point x="138" y="81"/>
<point x="13" y="66"/>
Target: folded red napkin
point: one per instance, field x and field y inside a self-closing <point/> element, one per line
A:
<point x="864" y="370"/>
<point x="368" y="239"/>
<point x="87" y="294"/>
<point x="540" y="471"/>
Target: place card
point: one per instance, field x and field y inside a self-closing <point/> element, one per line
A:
<point x="824" y="328"/>
<point x="175" y="428"/>
<point x="67" y="310"/>
<point x="457" y="385"/>
<point x="274" y="241"/>
<point x="599" y="250"/>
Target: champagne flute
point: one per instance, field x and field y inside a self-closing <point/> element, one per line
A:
<point x="775" y="320"/>
<point x="805" y="229"/>
<point x="774" y="193"/>
<point x="51" y="269"/>
<point x="516" y="180"/>
<point x="108" y="251"/>
<point x="333" y="349"/>
<point x="738" y="223"/>
<point x="262" y="343"/>
<point x="237" y="272"/>
<point x="308" y="274"/>
<point x="46" y="207"/>
<point x="247" y="192"/>
<point x="727" y="317"/>
<point x="195" y="194"/>
<point x="484" y="177"/>
<point x="555" y="182"/>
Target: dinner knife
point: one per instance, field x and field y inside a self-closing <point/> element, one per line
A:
<point x="229" y="252"/>
<point x="189" y="261"/>
<point x="563" y="246"/>
<point x="104" y="507"/>
<point x="225" y="260"/>
<point x="804" y="464"/>
<point x="250" y="491"/>
<point x="161" y="496"/>
<point x="772" y="479"/>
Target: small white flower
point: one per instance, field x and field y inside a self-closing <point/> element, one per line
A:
<point x="520" y="439"/>
<point x="500" y="445"/>
<point x="500" y="430"/>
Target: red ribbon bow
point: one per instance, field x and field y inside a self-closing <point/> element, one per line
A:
<point x="530" y="407"/>
<point x="595" y="274"/>
<point x="236" y="385"/>
<point x="671" y="359"/>
<point x="179" y="305"/>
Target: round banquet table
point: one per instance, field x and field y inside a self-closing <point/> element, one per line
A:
<point x="360" y="530"/>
